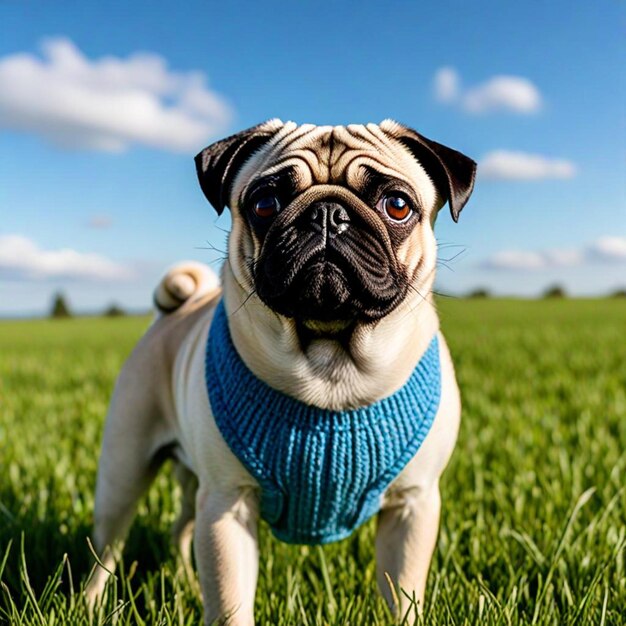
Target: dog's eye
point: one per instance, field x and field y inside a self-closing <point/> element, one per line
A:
<point x="396" y="208"/>
<point x="266" y="206"/>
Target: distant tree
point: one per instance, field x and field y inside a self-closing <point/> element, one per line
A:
<point x="480" y="292"/>
<point x="114" y="311"/>
<point x="556" y="291"/>
<point x="620" y="293"/>
<point x="60" y="309"/>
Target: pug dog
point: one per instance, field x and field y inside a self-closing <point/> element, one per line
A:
<point x="310" y="387"/>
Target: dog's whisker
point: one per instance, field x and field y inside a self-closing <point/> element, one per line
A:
<point x="414" y="289"/>
<point x="453" y="257"/>
<point x="220" y="259"/>
<point x="440" y="294"/>
<point x="449" y="244"/>
<point x="211" y="247"/>
<point x="423" y="298"/>
<point x="243" y="304"/>
<point x="444" y="264"/>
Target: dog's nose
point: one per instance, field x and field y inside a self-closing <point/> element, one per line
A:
<point x="329" y="217"/>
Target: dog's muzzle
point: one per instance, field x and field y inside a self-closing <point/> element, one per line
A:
<point x="329" y="261"/>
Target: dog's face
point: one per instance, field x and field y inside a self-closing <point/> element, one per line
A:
<point x="332" y="226"/>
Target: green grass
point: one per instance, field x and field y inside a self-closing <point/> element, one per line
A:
<point x="533" y="526"/>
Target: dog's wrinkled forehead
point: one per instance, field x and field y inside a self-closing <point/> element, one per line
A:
<point x="337" y="155"/>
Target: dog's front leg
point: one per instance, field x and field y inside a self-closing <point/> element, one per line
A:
<point x="405" y="541"/>
<point x="226" y="550"/>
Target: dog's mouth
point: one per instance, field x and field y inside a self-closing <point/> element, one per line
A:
<point x="328" y="282"/>
<point x="318" y="330"/>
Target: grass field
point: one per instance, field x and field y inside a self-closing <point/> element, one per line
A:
<point x="533" y="527"/>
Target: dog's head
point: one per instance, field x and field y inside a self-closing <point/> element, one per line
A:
<point x="333" y="224"/>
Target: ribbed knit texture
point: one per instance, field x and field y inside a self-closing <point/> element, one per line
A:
<point x="322" y="473"/>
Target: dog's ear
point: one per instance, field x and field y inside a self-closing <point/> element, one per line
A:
<point x="452" y="172"/>
<point x="218" y="164"/>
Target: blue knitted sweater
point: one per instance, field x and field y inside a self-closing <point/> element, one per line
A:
<point x="322" y="473"/>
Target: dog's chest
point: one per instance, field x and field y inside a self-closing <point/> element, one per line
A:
<point x="322" y="473"/>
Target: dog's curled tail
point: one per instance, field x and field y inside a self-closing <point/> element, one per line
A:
<point x="184" y="283"/>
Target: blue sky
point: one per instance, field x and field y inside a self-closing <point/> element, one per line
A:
<point x="103" y="105"/>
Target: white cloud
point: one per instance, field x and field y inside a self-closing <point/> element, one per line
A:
<point x="99" y="222"/>
<point x="515" y="260"/>
<point x="608" y="249"/>
<point x="499" y="93"/>
<point x="503" y="93"/>
<point x="108" y="103"/>
<point x="511" y="165"/>
<point x="22" y="259"/>
<point x="563" y="258"/>
<point x="446" y="84"/>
